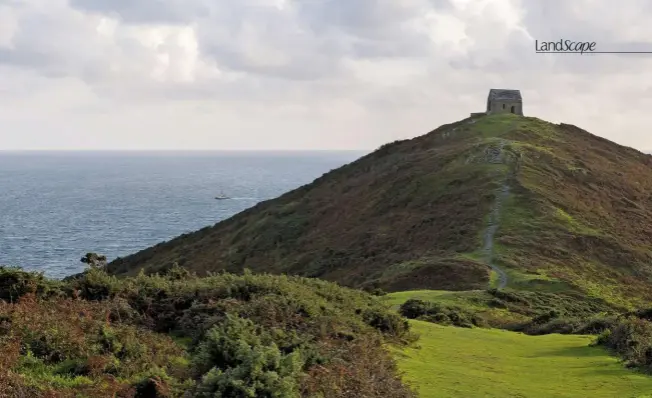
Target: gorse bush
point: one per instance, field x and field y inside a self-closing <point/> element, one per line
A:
<point x="441" y="314"/>
<point x="631" y="338"/>
<point x="255" y="367"/>
<point x="172" y="334"/>
<point x="15" y="283"/>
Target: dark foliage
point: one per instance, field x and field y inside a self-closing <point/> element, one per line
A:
<point x="15" y="283"/>
<point x="544" y="313"/>
<point x="543" y="304"/>
<point x="441" y="314"/>
<point x="94" y="260"/>
<point x="631" y="339"/>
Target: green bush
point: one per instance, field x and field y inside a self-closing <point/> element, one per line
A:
<point x="597" y="325"/>
<point x="558" y="325"/>
<point x="535" y="304"/>
<point x="386" y="322"/>
<point x="631" y="338"/>
<point x="554" y="322"/>
<point x="414" y="308"/>
<point x="441" y="314"/>
<point x="238" y="359"/>
<point x="15" y="283"/>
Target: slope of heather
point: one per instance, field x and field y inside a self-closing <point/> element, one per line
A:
<point x="499" y="200"/>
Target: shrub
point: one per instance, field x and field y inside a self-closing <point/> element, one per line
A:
<point x="72" y="338"/>
<point x="553" y="322"/>
<point x="597" y="325"/>
<point x="242" y="361"/>
<point x="441" y="314"/>
<point x="386" y="322"/>
<point x="557" y="325"/>
<point x="414" y="308"/>
<point x="15" y="283"/>
<point x="536" y="304"/>
<point x="632" y="340"/>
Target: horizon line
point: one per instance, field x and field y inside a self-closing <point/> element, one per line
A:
<point x="185" y="150"/>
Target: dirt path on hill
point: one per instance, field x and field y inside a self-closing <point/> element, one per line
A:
<point x="492" y="227"/>
<point x="496" y="155"/>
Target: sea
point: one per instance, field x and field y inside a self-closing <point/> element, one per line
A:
<point x="57" y="206"/>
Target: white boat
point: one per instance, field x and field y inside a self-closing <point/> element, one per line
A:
<point x="221" y="196"/>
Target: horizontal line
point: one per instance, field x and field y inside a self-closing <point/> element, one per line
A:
<point x="594" y="52"/>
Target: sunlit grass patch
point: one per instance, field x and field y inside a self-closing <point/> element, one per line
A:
<point x="454" y="362"/>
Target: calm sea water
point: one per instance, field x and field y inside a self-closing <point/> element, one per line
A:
<point x="55" y="207"/>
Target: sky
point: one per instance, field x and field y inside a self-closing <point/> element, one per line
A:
<point x="309" y="74"/>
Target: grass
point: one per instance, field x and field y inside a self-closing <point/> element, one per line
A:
<point x="494" y="279"/>
<point x="454" y="362"/>
<point x="573" y="225"/>
<point x="495" y="126"/>
<point x="535" y="281"/>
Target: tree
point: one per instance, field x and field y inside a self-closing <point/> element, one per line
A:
<point x="94" y="260"/>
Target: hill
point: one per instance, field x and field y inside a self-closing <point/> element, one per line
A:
<point x="499" y="200"/>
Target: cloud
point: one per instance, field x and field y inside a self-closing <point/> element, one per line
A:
<point x="174" y="12"/>
<point x="307" y="74"/>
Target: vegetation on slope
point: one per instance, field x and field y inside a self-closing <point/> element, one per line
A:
<point x="397" y="218"/>
<point x="579" y="215"/>
<point x="453" y="362"/>
<point x="413" y="215"/>
<point x="530" y="312"/>
<point x="222" y="335"/>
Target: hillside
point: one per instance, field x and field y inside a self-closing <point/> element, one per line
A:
<point x="500" y="200"/>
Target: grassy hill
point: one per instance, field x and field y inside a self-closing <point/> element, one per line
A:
<point x="453" y="362"/>
<point x="480" y="202"/>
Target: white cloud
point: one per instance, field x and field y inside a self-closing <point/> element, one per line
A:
<point x="307" y="74"/>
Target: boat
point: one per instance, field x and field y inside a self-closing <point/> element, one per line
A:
<point x="221" y="196"/>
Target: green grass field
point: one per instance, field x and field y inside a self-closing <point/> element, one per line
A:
<point x="456" y="362"/>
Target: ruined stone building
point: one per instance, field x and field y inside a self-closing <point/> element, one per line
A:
<point x="504" y="101"/>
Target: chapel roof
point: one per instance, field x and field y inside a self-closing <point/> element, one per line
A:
<point x="504" y="95"/>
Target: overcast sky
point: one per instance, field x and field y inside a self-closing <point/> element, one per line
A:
<point x="308" y="74"/>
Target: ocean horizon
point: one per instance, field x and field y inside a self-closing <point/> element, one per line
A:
<point x="55" y="206"/>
